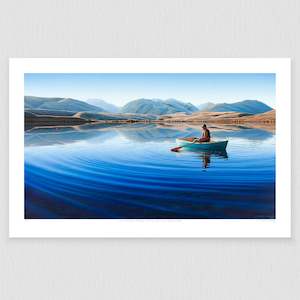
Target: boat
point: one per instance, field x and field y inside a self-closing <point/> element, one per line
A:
<point x="212" y="145"/>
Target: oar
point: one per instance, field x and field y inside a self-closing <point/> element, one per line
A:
<point x="177" y="149"/>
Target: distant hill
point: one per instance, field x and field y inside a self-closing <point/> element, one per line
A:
<point x="246" y="106"/>
<point x="113" y="116"/>
<point x="206" y="106"/>
<point x="104" y="105"/>
<point x="33" y="120"/>
<point x="204" y="117"/>
<point x="222" y="117"/>
<point x="58" y="104"/>
<point x="48" y="112"/>
<point x="158" y="107"/>
<point x="269" y="116"/>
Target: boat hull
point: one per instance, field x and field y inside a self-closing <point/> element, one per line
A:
<point x="214" y="145"/>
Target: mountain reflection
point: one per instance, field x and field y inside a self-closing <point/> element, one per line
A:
<point x="46" y="136"/>
<point x="128" y="172"/>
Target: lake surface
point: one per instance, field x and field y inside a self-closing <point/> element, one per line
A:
<point x="128" y="171"/>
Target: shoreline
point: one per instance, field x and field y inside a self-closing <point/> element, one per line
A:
<point x="266" y="119"/>
<point x="78" y="122"/>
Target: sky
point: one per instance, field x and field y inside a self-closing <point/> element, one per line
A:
<point x="121" y="88"/>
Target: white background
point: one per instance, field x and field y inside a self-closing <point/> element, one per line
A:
<point x="19" y="227"/>
<point x="153" y="268"/>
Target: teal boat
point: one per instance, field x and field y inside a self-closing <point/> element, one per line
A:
<point x="212" y="145"/>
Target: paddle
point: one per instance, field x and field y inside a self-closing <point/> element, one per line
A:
<point x="176" y="149"/>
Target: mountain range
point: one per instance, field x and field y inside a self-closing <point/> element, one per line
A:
<point x="246" y="106"/>
<point x="58" y="104"/>
<point x="69" y="106"/>
<point x="158" y="107"/>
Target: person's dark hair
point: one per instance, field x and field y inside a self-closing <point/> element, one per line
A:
<point x="204" y="126"/>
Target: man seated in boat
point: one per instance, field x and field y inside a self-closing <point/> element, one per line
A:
<point x="205" y="136"/>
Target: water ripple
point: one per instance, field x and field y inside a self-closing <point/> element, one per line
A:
<point x="117" y="178"/>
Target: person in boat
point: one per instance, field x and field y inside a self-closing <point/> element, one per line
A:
<point x="205" y="135"/>
<point x="205" y="138"/>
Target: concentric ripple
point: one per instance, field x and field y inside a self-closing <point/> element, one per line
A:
<point x="118" y="177"/>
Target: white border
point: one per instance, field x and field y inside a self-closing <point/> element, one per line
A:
<point x="19" y="227"/>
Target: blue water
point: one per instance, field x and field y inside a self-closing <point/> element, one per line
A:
<point x="128" y="171"/>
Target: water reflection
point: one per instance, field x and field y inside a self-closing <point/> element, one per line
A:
<point x="137" y="133"/>
<point x="207" y="156"/>
<point x="128" y="171"/>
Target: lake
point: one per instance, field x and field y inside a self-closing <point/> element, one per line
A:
<point x="128" y="171"/>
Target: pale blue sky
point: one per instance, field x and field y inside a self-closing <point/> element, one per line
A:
<point x="120" y="88"/>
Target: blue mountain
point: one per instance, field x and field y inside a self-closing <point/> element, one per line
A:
<point x="59" y="104"/>
<point x="246" y="106"/>
<point x="205" y="106"/>
<point x="158" y="107"/>
<point x="104" y="105"/>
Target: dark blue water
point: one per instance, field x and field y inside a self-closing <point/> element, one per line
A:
<point x="128" y="171"/>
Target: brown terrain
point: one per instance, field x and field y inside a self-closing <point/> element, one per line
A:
<point x="221" y="117"/>
<point x="33" y="120"/>
<point x="264" y="119"/>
